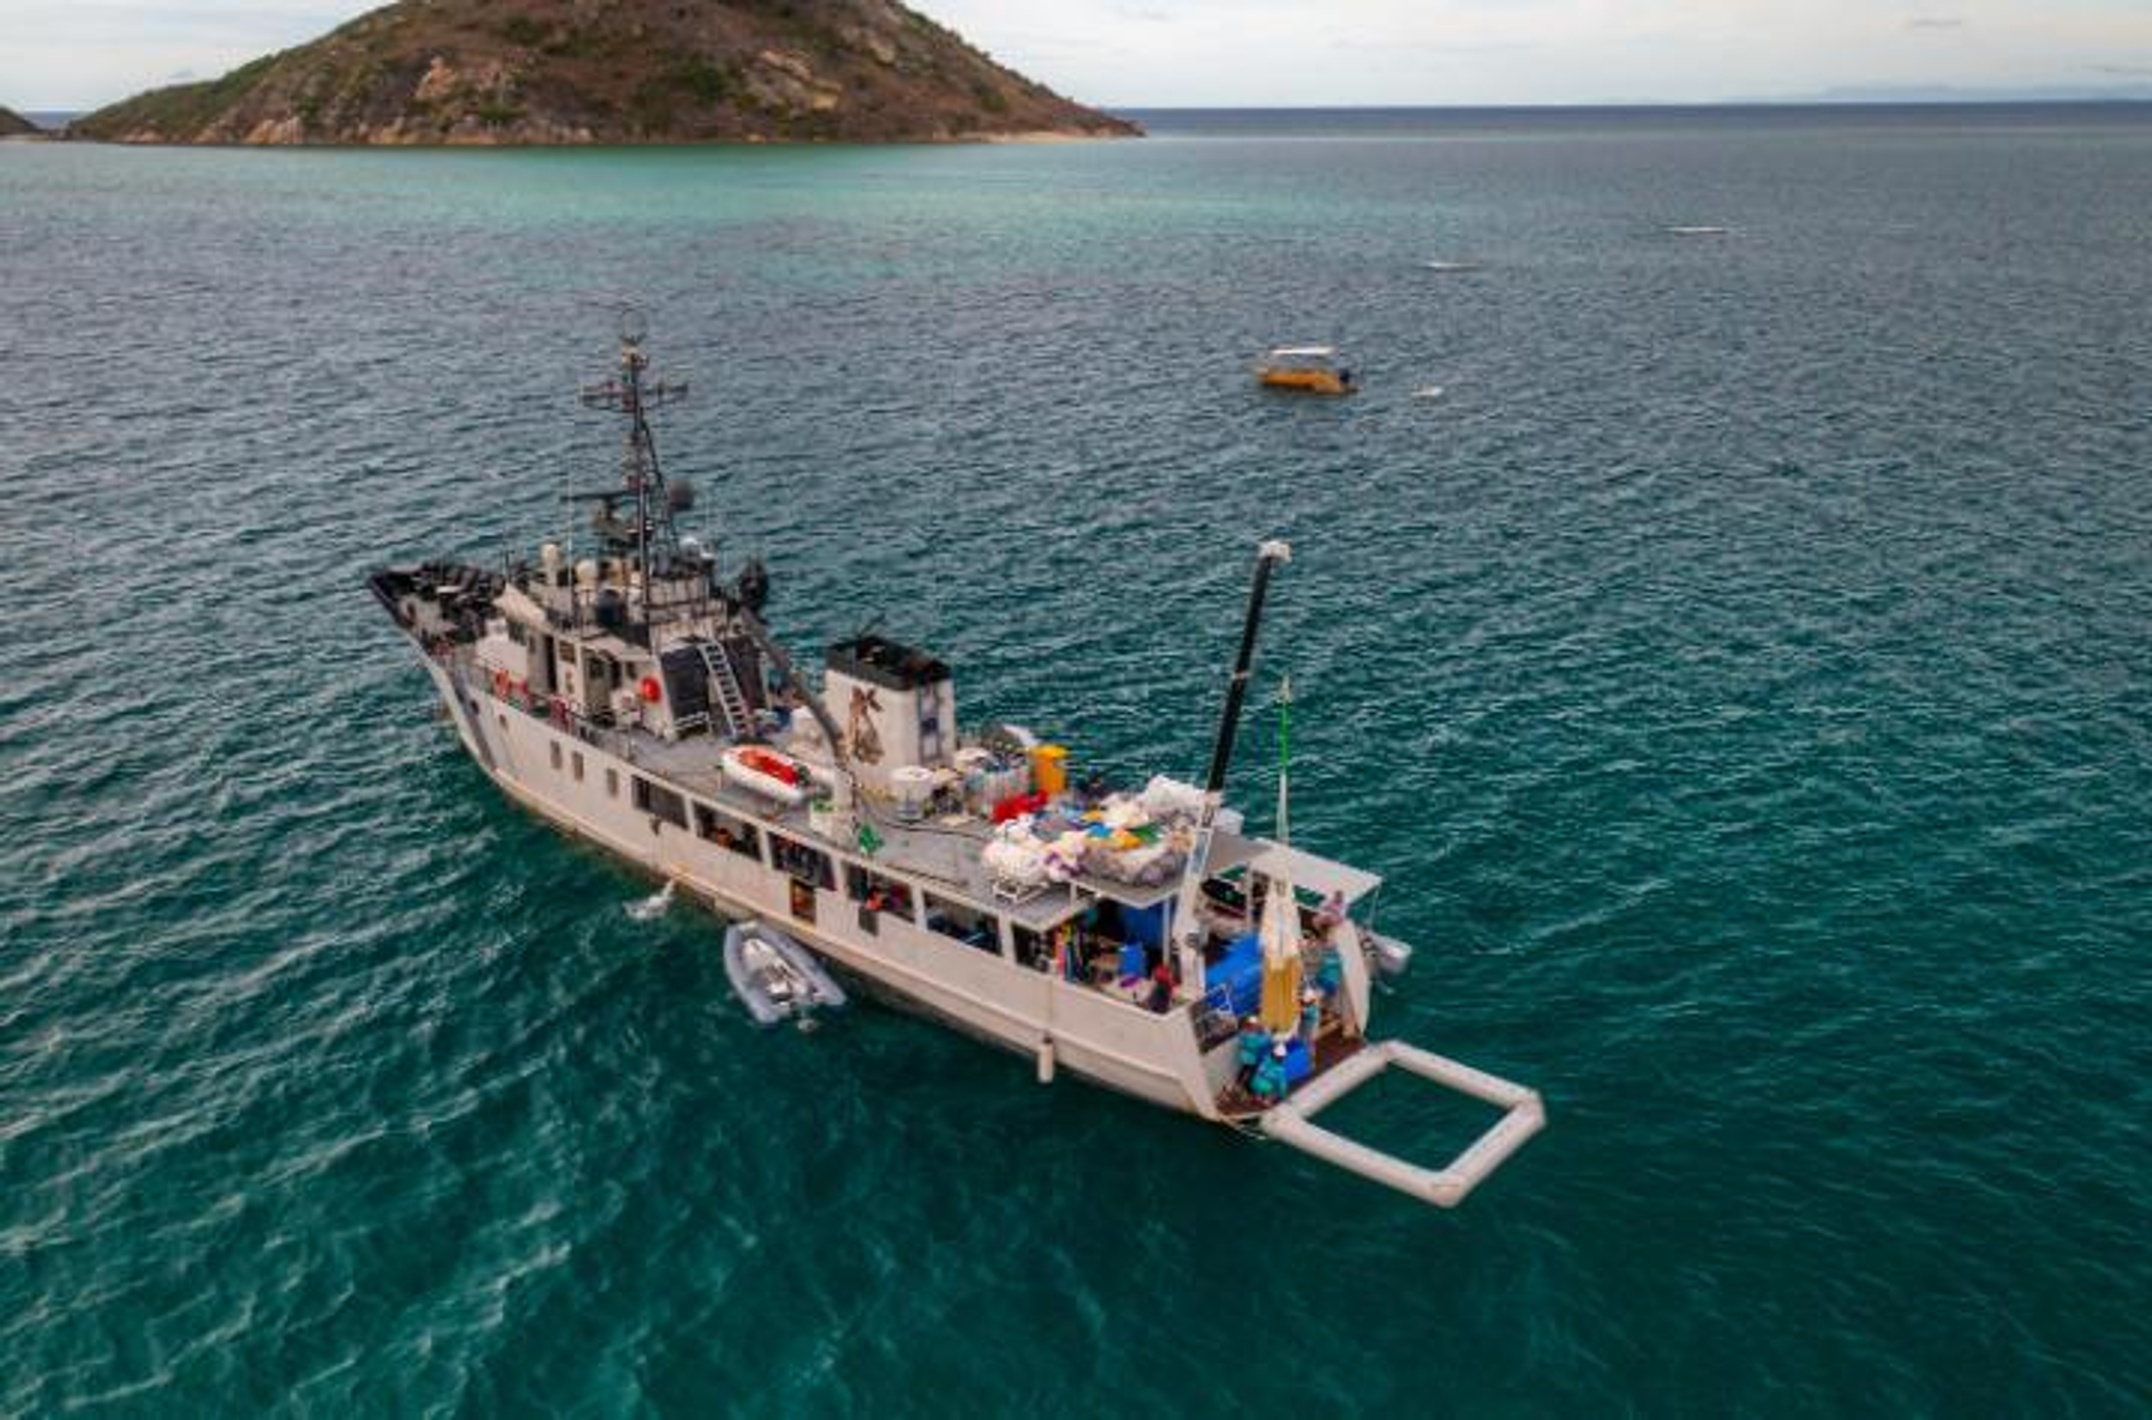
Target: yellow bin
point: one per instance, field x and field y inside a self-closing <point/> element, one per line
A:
<point x="1050" y="770"/>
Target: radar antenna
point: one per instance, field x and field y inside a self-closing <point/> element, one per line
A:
<point x="650" y="538"/>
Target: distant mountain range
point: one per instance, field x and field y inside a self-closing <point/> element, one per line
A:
<point x="611" y="71"/>
<point x="2122" y="92"/>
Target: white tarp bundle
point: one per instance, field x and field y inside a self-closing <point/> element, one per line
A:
<point x="1013" y="856"/>
<point x="1281" y="958"/>
<point x="1165" y="798"/>
<point x="1122" y="840"/>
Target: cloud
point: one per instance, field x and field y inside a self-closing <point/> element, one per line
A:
<point x="63" y="54"/>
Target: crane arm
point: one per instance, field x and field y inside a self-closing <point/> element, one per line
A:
<point x="1187" y="930"/>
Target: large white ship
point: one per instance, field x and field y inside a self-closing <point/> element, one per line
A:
<point x="1139" y="939"/>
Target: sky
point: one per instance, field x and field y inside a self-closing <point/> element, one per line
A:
<point x="77" y="54"/>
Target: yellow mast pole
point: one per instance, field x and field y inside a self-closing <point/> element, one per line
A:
<point x="1281" y="909"/>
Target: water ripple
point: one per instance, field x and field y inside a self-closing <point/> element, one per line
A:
<point x="1739" y="673"/>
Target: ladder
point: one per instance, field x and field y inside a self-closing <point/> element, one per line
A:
<point x="731" y="700"/>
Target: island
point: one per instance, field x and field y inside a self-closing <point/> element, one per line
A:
<point x="529" y="72"/>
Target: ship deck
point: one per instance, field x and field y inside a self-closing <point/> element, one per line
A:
<point x="942" y="852"/>
<point x="946" y="850"/>
<point x="1332" y="1048"/>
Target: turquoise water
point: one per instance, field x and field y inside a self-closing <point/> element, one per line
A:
<point x="1739" y="669"/>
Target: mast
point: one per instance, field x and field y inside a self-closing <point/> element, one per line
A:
<point x="1281" y="909"/>
<point x="1187" y="931"/>
<point x="648" y="542"/>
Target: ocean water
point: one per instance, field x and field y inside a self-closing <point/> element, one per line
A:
<point x="1732" y="648"/>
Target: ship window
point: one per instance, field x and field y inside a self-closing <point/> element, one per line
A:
<point x="661" y="802"/>
<point x="612" y="783"/>
<point x="575" y="761"/>
<point x="808" y="865"/>
<point x="1033" y="949"/>
<point x="963" y="924"/>
<point x="725" y="831"/>
<point x="555" y="748"/>
<point x="875" y="893"/>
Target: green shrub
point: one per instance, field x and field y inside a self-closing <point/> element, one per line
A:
<point x="705" y="82"/>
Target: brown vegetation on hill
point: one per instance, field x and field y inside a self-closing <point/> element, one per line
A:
<point x="611" y="71"/>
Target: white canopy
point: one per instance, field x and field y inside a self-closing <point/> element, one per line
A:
<point x="1261" y="855"/>
<point x="1317" y="875"/>
<point x="1304" y="352"/>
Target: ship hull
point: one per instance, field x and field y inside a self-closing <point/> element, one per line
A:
<point x="583" y="789"/>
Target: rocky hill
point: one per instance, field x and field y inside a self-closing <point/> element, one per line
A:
<point x="14" y="125"/>
<point x="611" y="71"/>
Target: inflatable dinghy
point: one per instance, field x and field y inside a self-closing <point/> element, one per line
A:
<point x="766" y="772"/>
<point x="776" y="977"/>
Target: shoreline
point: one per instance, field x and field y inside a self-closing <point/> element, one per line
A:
<point x="1025" y="137"/>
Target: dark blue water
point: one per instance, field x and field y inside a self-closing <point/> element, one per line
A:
<point x="1733" y="649"/>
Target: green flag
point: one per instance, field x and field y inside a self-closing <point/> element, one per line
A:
<point x="870" y="842"/>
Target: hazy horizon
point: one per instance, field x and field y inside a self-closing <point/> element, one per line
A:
<point x="76" y="55"/>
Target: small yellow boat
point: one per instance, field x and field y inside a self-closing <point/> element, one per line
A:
<point x="1309" y="369"/>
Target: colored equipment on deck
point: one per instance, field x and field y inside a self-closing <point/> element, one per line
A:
<point x="1235" y="980"/>
<point x="1299" y="1061"/>
<point x="1050" y="770"/>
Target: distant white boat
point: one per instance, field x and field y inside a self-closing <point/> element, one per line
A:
<point x="1699" y="231"/>
<point x="1428" y="392"/>
<point x="1450" y="266"/>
